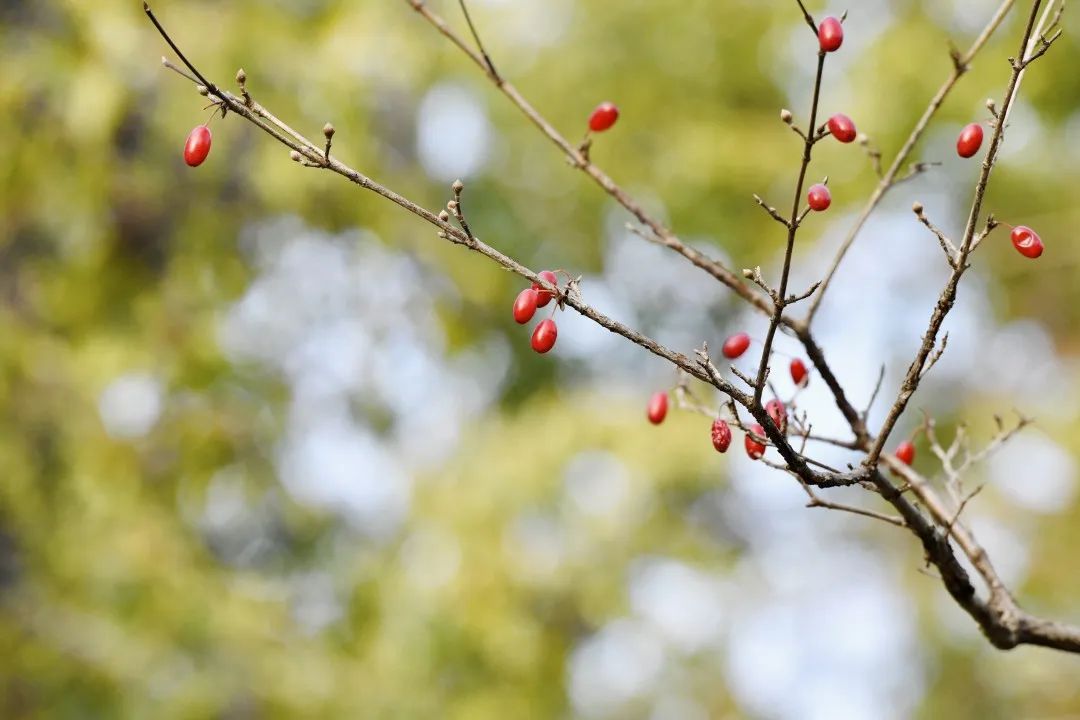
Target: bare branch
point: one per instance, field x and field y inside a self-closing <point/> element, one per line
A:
<point x="773" y="212"/>
<point x="960" y="67"/>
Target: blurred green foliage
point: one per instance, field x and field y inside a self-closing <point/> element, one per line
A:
<point x="115" y="257"/>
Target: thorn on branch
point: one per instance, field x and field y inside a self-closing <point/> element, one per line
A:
<point x="749" y="381"/>
<point x="792" y="299"/>
<point x="756" y="277"/>
<point x="773" y="212"/>
<point x="936" y="356"/>
<point x="946" y="244"/>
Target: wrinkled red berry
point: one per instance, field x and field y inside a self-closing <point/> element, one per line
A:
<point x="658" y="408"/>
<point x="830" y="34"/>
<point x="1026" y="241"/>
<point x="525" y="306"/>
<point x="543" y="337"/>
<point x="778" y="413"/>
<point x="543" y="297"/>
<point x="721" y="435"/>
<point x="819" y="198"/>
<point x="970" y="140"/>
<point x="799" y="374"/>
<point x="197" y="146"/>
<point x="754" y="448"/>
<point x="905" y="452"/>
<point x="735" y="345"/>
<point x="842" y="128"/>
<point x="603" y="117"/>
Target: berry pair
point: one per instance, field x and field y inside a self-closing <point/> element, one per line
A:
<point x="721" y="439"/>
<point x="525" y="306"/>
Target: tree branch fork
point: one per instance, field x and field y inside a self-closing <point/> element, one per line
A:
<point x="919" y="501"/>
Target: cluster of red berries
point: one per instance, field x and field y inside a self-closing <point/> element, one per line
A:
<point x="735" y="346"/>
<point x="525" y="305"/>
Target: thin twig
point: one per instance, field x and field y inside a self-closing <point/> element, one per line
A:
<point x="961" y="65"/>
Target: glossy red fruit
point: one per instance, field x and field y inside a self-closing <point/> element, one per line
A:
<point x="735" y="345"/>
<point x="543" y="337"/>
<point x="778" y="413"/>
<point x="842" y="127"/>
<point x="819" y="198"/>
<point x="543" y="297"/>
<point x="525" y="306"/>
<point x="603" y="117"/>
<point x="799" y="375"/>
<point x="905" y="452"/>
<point x="830" y="34"/>
<point x="1026" y="241"/>
<point x="657" y="411"/>
<point x="754" y="448"/>
<point x="197" y="146"/>
<point x="721" y="435"/>
<point x="970" y="140"/>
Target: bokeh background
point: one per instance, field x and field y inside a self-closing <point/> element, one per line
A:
<point x="269" y="449"/>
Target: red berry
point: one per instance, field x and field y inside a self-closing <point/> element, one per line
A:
<point x="905" y="452"/>
<point x="970" y="140"/>
<point x="525" y="306"/>
<point x="754" y="448"/>
<point x="543" y="337"/>
<point x="778" y="413"/>
<point x="798" y="372"/>
<point x="603" y="117"/>
<point x="197" y="146"/>
<point x="721" y="435"/>
<point x="1027" y="241"/>
<point x="830" y="34"/>
<point x="819" y="198"/>
<point x="543" y="297"/>
<point x="657" y="408"/>
<point x="842" y="127"/>
<point x="735" y="345"/>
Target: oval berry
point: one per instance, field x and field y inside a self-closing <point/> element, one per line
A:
<point x="799" y="375"/>
<point x="1026" y="241"/>
<point x="543" y="337"/>
<point x="735" y="345"/>
<point x="778" y="413"/>
<point x="197" y="146"/>
<point x="543" y="297"/>
<point x="819" y="198"/>
<point x="657" y="410"/>
<point x="970" y="140"/>
<point x="754" y="448"/>
<point x="842" y="127"/>
<point x="721" y="435"/>
<point x="830" y="34"/>
<point x="905" y="452"/>
<point x="603" y="117"/>
<point x="525" y="306"/>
